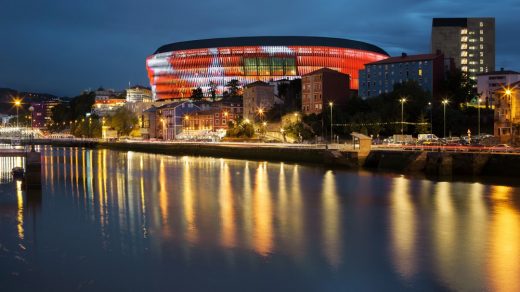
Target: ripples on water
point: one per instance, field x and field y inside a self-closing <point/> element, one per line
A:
<point x="110" y="220"/>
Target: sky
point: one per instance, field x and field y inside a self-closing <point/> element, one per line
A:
<point x="64" y="47"/>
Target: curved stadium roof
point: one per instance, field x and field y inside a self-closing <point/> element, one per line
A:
<point x="271" y="41"/>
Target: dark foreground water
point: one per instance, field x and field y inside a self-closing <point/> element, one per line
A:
<point x="114" y="221"/>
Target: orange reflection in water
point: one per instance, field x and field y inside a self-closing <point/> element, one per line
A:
<point x="331" y="222"/>
<point x="404" y="229"/>
<point x="504" y="242"/>
<point x="163" y="193"/>
<point x="19" y="215"/>
<point x="188" y="197"/>
<point x="263" y="229"/>
<point x="227" y="205"/>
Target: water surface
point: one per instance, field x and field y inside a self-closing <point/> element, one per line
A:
<point x="116" y="221"/>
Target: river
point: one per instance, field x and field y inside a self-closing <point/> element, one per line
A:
<point x="116" y="221"/>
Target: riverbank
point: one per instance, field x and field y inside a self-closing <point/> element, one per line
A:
<point x="433" y="163"/>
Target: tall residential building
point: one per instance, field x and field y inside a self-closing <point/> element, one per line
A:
<point x="488" y="83"/>
<point x="323" y="86"/>
<point x="469" y="41"/>
<point x="381" y="76"/>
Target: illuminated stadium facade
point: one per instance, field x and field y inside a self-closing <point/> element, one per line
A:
<point x="175" y="69"/>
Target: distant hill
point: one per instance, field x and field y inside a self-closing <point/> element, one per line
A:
<point x="7" y="95"/>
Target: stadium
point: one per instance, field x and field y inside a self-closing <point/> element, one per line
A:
<point x="175" y="69"/>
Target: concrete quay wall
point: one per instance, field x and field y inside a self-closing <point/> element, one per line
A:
<point x="445" y="163"/>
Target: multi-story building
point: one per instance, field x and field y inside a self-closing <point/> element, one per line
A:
<point x="138" y="94"/>
<point x="232" y="106"/>
<point x="42" y="112"/>
<point x="150" y="124"/>
<point x="323" y="86"/>
<point x="38" y="115"/>
<point x="380" y="77"/>
<point x="507" y="113"/>
<point x="105" y="94"/>
<point x="106" y="107"/>
<point x="172" y="115"/>
<point x="258" y="99"/>
<point x="488" y="83"/>
<point x="469" y="41"/>
<point x="211" y="120"/>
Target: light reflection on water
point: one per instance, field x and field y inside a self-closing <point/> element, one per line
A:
<point x="176" y="220"/>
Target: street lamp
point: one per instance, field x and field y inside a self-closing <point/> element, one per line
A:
<point x="31" y="109"/>
<point x="331" y="104"/>
<point x="444" y="103"/>
<point x="17" y="104"/>
<point x="431" y="117"/>
<point x="478" y="109"/>
<point x="508" y="92"/>
<point x="402" y="101"/>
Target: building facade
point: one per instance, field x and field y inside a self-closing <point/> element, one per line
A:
<point x="138" y="94"/>
<point x="507" y="113"/>
<point x="258" y="99"/>
<point x="107" y="107"/>
<point x="175" y="69"/>
<point x="323" y="86"/>
<point x="172" y="115"/>
<point x="469" y="41"/>
<point x="488" y="83"/>
<point x="42" y="112"/>
<point x="427" y="70"/>
<point x="206" y="121"/>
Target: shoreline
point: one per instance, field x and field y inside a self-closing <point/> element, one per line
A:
<point x="430" y="165"/>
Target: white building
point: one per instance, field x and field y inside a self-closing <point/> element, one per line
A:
<point x="138" y="94"/>
<point x="487" y="83"/>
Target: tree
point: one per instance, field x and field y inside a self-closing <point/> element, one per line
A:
<point x="234" y="87"/>
<point x="458" y="87"/>
<point x="213" y="90"/>
<point x="123" y="121"/>
<point x="423" y="125"/>
<point x="87" y="127"/>
<point x="240" y="129"/>
<point x="197" y="94"/>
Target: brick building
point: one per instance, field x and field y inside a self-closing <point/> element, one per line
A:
<point x="323" y="86"/>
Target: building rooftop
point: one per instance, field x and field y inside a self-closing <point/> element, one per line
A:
<point x="258" y="83"/>
<point x="499" y="72"/>
<point x="406" y="58"/>
<point x="323" y="70"/>
<point x="270" y="41"/>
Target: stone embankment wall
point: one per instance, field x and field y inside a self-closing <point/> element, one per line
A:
<point x="445" y="163"/>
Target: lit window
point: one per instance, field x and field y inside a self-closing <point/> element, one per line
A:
<point x="481" y="24"/>
<point x="464" y="31"/>
<point x="464" y="53"/>
<point x="464" y="61"/>
<point x="464" y="39"/>
<point x="463" y="46"/>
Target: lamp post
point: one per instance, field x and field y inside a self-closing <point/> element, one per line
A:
<point x="431" y="117"/>
<point x="402" y="101"/>
<point x="17" y="104"/>
<point x="31" y="109"/>
<point x="331" y="104"/>
<point x="444" y="103"/>
<point x="508" y="93"/>
<point x="478" y="109"/>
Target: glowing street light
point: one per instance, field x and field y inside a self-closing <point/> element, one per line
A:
<point x="17" y="103"/>
<point x="508" y="92"/>
<point x="444" y="103"/>
<point x="402" y="101"/>
<point x="431" y="117"/>
<point x="331" y="104"/>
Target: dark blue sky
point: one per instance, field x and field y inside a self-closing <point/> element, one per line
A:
<point x="63" y="47"/>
